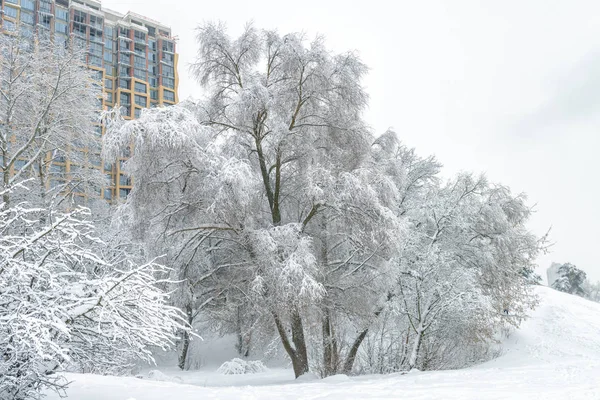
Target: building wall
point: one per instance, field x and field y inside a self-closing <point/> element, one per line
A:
<point x="135" y="58"/>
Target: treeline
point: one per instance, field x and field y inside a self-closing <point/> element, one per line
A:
<point x="268" y="208"/>
<point x="280" y="213"/>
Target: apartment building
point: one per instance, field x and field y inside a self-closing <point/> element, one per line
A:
<point x="134" y="56"/>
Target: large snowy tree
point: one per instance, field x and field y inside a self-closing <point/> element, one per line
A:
<point x="274" y="201"/>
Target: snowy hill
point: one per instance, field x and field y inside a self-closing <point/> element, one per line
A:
<point x="555" y="355"/>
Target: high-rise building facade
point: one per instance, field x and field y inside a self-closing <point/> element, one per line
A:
<point x="135" y="58"/>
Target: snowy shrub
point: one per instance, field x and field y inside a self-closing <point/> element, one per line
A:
<point x="63" y="306"/>
<point x="238" y="366"/>
<point x="157" y="375"/>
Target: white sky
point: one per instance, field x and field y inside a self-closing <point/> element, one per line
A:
<point x="509" y="88"/>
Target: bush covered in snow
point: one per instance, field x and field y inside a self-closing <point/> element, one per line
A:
<point x="238" y="366"/>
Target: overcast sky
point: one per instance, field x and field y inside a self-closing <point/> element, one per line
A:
<point x="509" y="88"/>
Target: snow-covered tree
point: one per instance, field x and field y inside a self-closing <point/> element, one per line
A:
<point x="272" y="199"/>
<point x="284" y="112"/>
<point x="49" y="104"/>
<point x="592" y="291"/>
<point x="571" y="280"/>
<point x="64" y="302"/>
<point x="462" y="265"/>
<point x="68" y="300"/>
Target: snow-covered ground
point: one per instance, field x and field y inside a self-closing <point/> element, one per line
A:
<point x="555" y="355"/>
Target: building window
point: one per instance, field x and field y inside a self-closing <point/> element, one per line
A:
<point x="124" y="72"/>
<point x="96" y="49"/>
<point x="45" y="20"/>
<point x="8" y="25"/>
<point x="169" y="96"/>
<point x="96" y="61"/>
<point x="80" y="17"/>
<point x="109" y="97"/>
<point x="96" y="22"/>
<point x="168" y="71"/>
<point x="108" y="57"/>
<point x="154" y="94"/>
<point x="125" y="99"/>
<point x="168" y="58"/>
<point x="62" y="14"/>
<point x="124" y="45"/>
<point x="27" y="18"/>
<point x="46" y="6"/>
<point x="137" y="112"/>
<point x="94" y="158"/>
<point x="28" y="5"/>
<point x="60" y="27"/>
<point x="169" y="82"/>
<point x="139" y="74"/>
<point x="123" y="193"/>
<point x="168" y="46"/>
<point x="124" y="59"/>
<point x="58" y="169"/>
<point x="139" y="36"/>
<point x="124" y="84"/>
<point x="19" y="164"/>
<point x="108" y="194"/>
<point x="108" y="83"/>
<point x="10" y="12"/>
<point x="79" y="29"/>
<point x="54" y="183"/>
<point x="139" y="62"/>
<point x="96" y="35"/>
<point x="140" y="87"/>
<point x="140" y="100"/>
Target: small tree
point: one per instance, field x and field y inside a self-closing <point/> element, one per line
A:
<point x="571" y="280"/>
<point x="67" y="298"/>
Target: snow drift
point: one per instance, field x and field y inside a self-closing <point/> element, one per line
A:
<point x="554" y="355"/>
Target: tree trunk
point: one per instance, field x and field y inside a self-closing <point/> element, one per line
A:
<point x="301" y="364"/>
<point x="186" y="340"/>
<point x="349" y="363"/>
<point x="297" y="352"/>
<point x="243" y="341"/>
<point x="417" y="346"/>
<point x="330" y="348"/>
